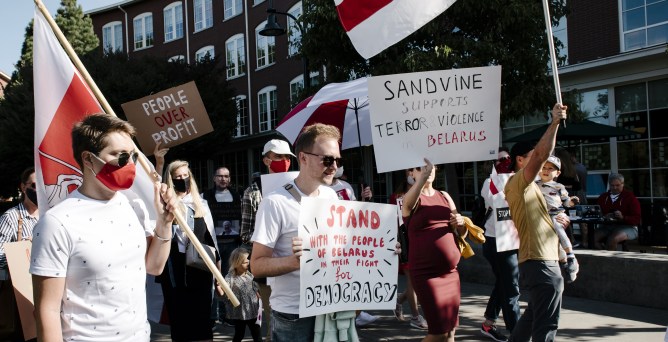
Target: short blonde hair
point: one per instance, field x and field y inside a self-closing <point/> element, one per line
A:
<point x="237" y="257"/>
<point x="310" y="133"/>
<point x="194" y="191"/>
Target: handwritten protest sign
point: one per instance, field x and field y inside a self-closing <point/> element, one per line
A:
<point x="348" y="261"/>
<point x="172" y="117"/>
<point x="446" y="116"/>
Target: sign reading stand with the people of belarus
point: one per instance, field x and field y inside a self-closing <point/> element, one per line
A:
<point x="348" y="260"/>
<point x="447" y="116"/>
<point x="171" y="117"/>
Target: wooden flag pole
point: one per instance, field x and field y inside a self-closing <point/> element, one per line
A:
<point x="142" y="160"/>
<point x="553" y="54"/>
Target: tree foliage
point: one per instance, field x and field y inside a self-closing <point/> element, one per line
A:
<point x="510" y="33"/>
<point x="121" y="80"/>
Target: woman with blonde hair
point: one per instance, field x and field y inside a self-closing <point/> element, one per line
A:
<point x="188" y="290"/>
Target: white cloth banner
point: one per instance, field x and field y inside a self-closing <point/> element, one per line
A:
<point x="447" y="116"/>
<point x="348" y="261"/>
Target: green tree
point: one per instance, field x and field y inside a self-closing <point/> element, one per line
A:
<point x="510" y="33"/>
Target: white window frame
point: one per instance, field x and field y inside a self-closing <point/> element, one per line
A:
<point x="267" y="122"/>
<point x="173" y="19"/>
<point x="294" y="35"/>
<point x="203" y="14"/>
<point x="238" y="52"/>
<point x="146" y="31"/>
<point x="112" y="42"/>
<point x="265" y="44"/>
<point x="201" y="53"/>
<point x="241" y="117"/>
<point x="643" y="29"/>
<point x="177" y="58"/>
<point x="232" y="8"/>
<point x="294" y="92"/>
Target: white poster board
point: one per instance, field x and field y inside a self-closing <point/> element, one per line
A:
<point x="273" y="181"/>
<point x="446" y="116"/>
<point x="349" y="260"/>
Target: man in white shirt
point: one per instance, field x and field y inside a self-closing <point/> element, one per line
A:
<point x="276" y="247"/>
<point x="91" y="252"/>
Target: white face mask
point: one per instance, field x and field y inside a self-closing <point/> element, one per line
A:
<point x="339" y="172"/>
<point x="410" y="180"/>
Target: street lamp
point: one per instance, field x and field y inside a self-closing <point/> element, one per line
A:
<point x="273" y="29"/>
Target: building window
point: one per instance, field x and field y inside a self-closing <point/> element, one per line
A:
<point x="267" y="106"/>
<point x="205" y="52"/>
<point x="112" y="36"/>
<point x="266" y="47"/>
<point x="644" y="23"/>
<point x="203" y="14"/>
<point x="257" y="2"/>
<point x="235" y="55"/>
<point x="294" y="34"/>
<point x="173" y="21"/>
<point x="296" y="88"/>
<point x="561" y="32"/>
<point x="177" y="59"/>
<point x="143" y="25"/>
<point x="242" y="116"/>
<point x="232" y="8"/>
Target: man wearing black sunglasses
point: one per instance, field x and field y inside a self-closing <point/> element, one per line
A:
<point x="92" y="251"/>
<point x="276" y="246"/>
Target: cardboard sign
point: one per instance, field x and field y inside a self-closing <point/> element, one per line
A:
<point x="18" y="261"/>
<point x="172" y="117"/>
<point x="348" y="260"/>
<point x="446" y="116"/>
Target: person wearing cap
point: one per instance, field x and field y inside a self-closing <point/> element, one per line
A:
<point x="225" y="206"/>
<point x="276" y="157"/>
<point x="538" y="254"/>
<point x="556" y="197"/>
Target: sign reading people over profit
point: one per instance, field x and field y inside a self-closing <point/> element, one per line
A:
<point x="172" y="117"/>
<point x="446" y="116"/>
<point x="348" y="260"/>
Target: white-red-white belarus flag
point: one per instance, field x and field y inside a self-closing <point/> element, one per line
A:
<point x="375" y="25"/>
<point x="62" y="98"/>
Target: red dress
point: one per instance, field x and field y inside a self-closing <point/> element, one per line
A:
<point x="434" y="256"/>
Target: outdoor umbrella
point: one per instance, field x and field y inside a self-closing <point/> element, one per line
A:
<point x="339" y="104"/>
<point x="584" y="130"/>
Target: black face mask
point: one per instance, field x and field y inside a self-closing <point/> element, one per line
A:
<point x="182" y="185"/>
<point x="32" y="195"/>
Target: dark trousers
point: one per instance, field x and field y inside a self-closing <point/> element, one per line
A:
<point x="506" y="292"/>
<point x="540" y="320"/>
<point x="240" y="330"/>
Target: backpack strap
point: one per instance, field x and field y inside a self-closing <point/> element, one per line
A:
<point x="291" y="189"/>
<point x="19" y="232"/>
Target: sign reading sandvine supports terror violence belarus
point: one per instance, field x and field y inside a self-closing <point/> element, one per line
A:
<point x="170" y="117"/>
<point x="348" y="260"/>
<point x="447" y="116"/>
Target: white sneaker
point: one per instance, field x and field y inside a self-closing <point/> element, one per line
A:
<point x="364" y="318"/>
<point x="419" y="323"/>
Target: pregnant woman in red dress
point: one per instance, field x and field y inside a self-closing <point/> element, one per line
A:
<point x="433" y="253"/>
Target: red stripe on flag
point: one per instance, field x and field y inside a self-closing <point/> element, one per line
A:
<point x="298" y="108"/>
<point x="330" y="113"/>
<point x="56" y="156"/>
<point x="353" y="12"/>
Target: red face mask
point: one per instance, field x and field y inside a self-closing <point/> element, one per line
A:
<point x="278" y="166"/>
<point x="116" y="177"/>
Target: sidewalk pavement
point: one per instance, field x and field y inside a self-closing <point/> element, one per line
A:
<point x="581" y="320"/>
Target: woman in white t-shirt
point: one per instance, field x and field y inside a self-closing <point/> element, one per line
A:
<point x="188" y="290"/>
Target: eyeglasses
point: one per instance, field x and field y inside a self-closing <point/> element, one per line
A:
<point x="418" y="169"/>
<point x="222" y="176"/>
<point x="122" y="160"/>
<point x="327" y="160"/>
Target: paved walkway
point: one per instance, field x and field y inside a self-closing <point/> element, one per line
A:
<point x="581" y="320"/>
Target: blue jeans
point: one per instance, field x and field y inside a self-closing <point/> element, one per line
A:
<point x="506" y="292"/>
<point x="541" y="317"/>
<point x="290" y="328"/>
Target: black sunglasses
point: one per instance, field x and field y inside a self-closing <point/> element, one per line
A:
<point x="327" y="160"/>
<point x="123" y="158"/>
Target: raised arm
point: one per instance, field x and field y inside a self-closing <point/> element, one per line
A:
<point x="545" y="144"/>
<point x="411" y="197"/>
